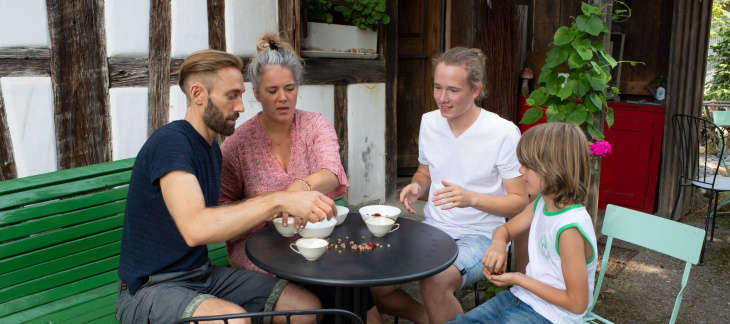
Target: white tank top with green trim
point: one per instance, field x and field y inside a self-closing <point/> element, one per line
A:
<point x="544" y="262"/>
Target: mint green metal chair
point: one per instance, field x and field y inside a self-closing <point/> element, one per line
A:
<point x="721" y="118"/>
<point x="672" y="238"/>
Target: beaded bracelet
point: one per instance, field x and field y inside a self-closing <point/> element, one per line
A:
<point x="309" y="186"/>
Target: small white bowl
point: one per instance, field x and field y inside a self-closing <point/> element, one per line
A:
<point x="321" y="229"/>
<point x="341" y="214"/>
<point x="384" y="210"/>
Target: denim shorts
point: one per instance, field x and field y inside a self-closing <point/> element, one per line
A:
<point x="168" y="297"/>
<point x="469" y="261"/>
<point x="503" y="308"/>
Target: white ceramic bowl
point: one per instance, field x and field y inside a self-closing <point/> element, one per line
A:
<point x="321" y="229"/>
<point x="341" y="214"/>
<point x="384" y="210"/>
<point x="286" y="231"/>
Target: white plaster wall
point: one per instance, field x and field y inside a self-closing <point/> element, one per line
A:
<point x="23" y="23"/>
<point x="189" y="27"/>
<point x="129" y="113"/>
<point x="366" y="142"/>
<point x="246" y="20"/>
<point x="250" y="105"/>
<point x="127" y="28"/>
<point x="178" y="104"/>
<point x="318" y="98"/>
<point x="29" y="108"/>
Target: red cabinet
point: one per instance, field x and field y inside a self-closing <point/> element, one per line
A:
<point x="629" y="175"/>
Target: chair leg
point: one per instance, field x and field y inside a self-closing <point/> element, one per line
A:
<point x="476" y="294"/>
<point x="714" y="216"/>
<point x="676" y="200"/>
<point x="707" y="227"/>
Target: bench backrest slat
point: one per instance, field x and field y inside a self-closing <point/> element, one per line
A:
<point x="30" y="301"/>
<point x="59" y="279"/>
<point x="53" y="207"/>
<point x="60" y="190"/>
<point x="64" y="176"/>
<point x="60" y="264"/>
<point x="58" y="251"/>
<point x="73" y="313"/>
<point x="61" y="220"/>
<point x="75" y="301"/>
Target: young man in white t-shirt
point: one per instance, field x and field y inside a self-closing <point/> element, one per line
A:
<point x="470" y="172"/>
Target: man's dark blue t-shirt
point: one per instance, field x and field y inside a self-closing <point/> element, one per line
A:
<point x="151" y="242"/>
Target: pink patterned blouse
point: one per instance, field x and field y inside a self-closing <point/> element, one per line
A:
<point x="250" y="167"/>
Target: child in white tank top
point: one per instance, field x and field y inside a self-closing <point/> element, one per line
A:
<point x="558" y="284"/>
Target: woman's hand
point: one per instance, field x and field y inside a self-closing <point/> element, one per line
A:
<point x="408" y="195"/>
<point x="453" y="195"/>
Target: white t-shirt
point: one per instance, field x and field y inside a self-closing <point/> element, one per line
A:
<point x="477" y="160"/>
<point x="545" y="263"/>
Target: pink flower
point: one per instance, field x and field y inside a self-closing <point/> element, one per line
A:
<point x="600" y="148"/>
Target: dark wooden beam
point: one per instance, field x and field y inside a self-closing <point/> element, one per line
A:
<point x="128" y="72"/>
<point x="79" y="73"/>
<point x="341" y="122"/>
<point x="7" y="159"/>
<point x="159" y="64"/>
<point x="25" y="53"/>
<point x="289" y="20"/>
<point x="217" y="24"/>
<point x="22" y="61"/>
<point x="334" y="71"/>
<point x="389" y="53"/>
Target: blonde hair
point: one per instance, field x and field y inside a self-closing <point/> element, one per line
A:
<point x="558" y="152"/>
<point x="472" y="60"/>
<point x="204" y="65"/>
<point x="273" y="50"/>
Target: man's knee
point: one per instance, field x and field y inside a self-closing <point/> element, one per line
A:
<point x="295" y="297"/>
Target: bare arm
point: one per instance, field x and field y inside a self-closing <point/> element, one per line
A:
<point x="573" y="260"/>
<point x="200" y="225"/>
<point x="419" y="187"/>
<point x="495" y="258"/>
<point x="323" y="181"/>
<point x="507" y="205"/>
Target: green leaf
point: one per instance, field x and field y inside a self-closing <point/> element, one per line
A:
<point x="553" y="114"/>
<point x="591" y="106"/>
<point x="532" y="115"/>
<point x="580" y="88"/>
<point x="537" y="97"/>
<point x="577" y="116"/>
<point x="385" y="20"/>
<point x="566" y="91"/>
<point x="595" y="100"/>
<point x="575" y="61"/>
<point x="597" y="83"/>
<point x="548" y="76"/>
<point x="582" y="46"/>
<point x="592" y="131"/>
<point x="609" y="117"/>
<point x="609" y="59"/>
<point x="591" y="25"/>
<point x="615" y="90"/>
<point x="588" y="9"/>
<point x="563" y="36"/>
<point x="598" y="47"/>
<point x="555" y="57"/>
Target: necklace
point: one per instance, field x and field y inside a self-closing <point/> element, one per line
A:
<point x="271" y="138"/>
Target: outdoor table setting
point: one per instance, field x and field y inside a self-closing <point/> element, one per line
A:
<point x="353" y="258"/>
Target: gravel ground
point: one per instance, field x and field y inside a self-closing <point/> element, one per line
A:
<point x="646" y="289"/>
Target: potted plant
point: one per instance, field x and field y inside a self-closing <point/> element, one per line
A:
<point x="359" y="39"/>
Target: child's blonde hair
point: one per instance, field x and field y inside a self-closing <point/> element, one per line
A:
<point x="558" y="152"/>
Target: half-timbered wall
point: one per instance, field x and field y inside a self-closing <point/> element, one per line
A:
<point x="87" y="81"/>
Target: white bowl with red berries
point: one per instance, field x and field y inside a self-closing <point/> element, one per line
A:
<point x="379" y="211"/>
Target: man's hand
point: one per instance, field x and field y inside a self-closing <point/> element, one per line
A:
<point x="408" y="195"/>
<point x="298" y="221"/>
<point x="312" y="206"/>
<point x="451" y="196"/>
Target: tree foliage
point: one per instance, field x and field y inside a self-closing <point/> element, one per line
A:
<point x="719" y="86"/>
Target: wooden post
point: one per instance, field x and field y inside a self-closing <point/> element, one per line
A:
<point x="7" y="160"/>
<point x="289" y="20"/>
<point x="341" y="122"/>
<point x="159" y="64"/>
<point x="217" y="24"/>
<point x="389" y="54"/>
<point x="80" y="80"/>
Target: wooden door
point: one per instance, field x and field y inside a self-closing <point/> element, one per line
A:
<point x="419" y="34"/>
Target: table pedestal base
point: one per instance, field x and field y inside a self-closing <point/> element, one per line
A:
<point x="354" y="299"/>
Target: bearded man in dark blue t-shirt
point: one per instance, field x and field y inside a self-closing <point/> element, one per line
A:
<point x="171" y="214"/>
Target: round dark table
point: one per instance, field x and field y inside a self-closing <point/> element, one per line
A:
<point x="416" y="251"/>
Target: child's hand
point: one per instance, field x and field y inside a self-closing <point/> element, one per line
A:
<point x="494" y="259"/>
<point x="503" y="279"/>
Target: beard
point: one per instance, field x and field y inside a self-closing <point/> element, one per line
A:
<point x="214" y="119"/>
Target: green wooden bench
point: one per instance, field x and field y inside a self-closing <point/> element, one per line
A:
<point x="60" y="237"/>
